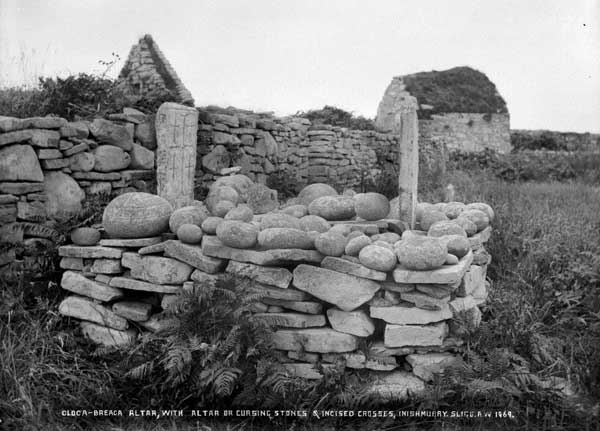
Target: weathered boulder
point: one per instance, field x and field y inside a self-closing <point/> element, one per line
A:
<point x="314" y="191"/>
<point x="85" y="236"/>
<point x="19" y="163"/>
<point x="371" y="206"/>
<point x="141" y="158"/>
<point x="145" y="133"/>
<point x="63" y="194"/>
<point x="389" y="237"/>
<point x="237" y="234"/>
<point x="313" y="223"/>
<point x="421" y="253"/>
<point x="191" y="214"/>
<point x="281" y="237"/>
<point x="273" y="220"/>
<point x="110" y="133"/>
<point x="330" y="244"/>
<point x="242" y="212"/>
<point x="136" y="215"/>
<point x="345" y="291"/>
<point x="189" y="233"/>
<point x="378" y="258"/>
<point x="351" y="322"/>
<point x="333" y="207"/>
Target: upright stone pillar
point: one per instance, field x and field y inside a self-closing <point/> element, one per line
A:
<point x="408" y="160"/>
<point x="176" y="134"/>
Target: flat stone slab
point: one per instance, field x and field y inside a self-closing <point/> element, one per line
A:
<point x="133" y="310"/>
<point x="392" y="286"/>
<point x="107" y="336"/>
<point x="158" y="269"/>
<point x="75" y="263"/>
<point x="192" y="255"/>
<point x="318" y="340"/>
<point x="352" y="268"/>
<point x="86" y="309"/>
<point x="212" y="246"/>
<point x="107" y="266"/>
<point x="292" y="320"/>
<point x="132" y="284"/>
<point x="91" y="252"/>
<point x="444" y="275"/>
<point x="379" y="349"/>
<point x="20" y="188"/>
<point x="414" y="335"/>
<point x="351" y="322"/>
<point x="277" y="293"/>
<point x="428" y="364"/>
<point x="278" y="277"/>
<point x="439" y="291"/>
<point x="346" y="291"/>
<point x="424" y="301"/>
<point x="410" y="315"/>
<point x="358" y="361"/>
<point x="130" y="243"/>
<point x="77" y="283"/>
<point x="305" y="371"/>
<point x="152" y="249"/>
<point x="300" y="306"/>
<point x="398" y="385"/>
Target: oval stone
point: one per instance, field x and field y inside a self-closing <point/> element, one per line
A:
<point x="478" y="217"/>
<point x="136" y="215"/>
<point x="219" y="194"/>
<point x="189" y="233"/>
<point x="314" y="191"/>
<point x="237" y="234"/>
<point x="441" y="228"/>
<point x="421" y="253"/>
<point x="482" y="207"/>
<point x="242" y="213"/>
<point x="109" y="158"/>
<point x="453" y="209"/>
<point x="383" y="244"/>
<point x="413" y="234"/>
<point x="457" y="245"/>
<point x="451" y="260"/>
<point x="371" y="206"/>
<point x="295" y="210"/>
<point x="377" y="258"/>
<point x="430" y="217"/>
<point x="422" y="208"/>
<point x="469" y="227"/>
<point x="221" y="208"/>
<point x="210" y="225"/>
<point x="314" y="223"/>
<point x="333" y="207"/>
<point x="64" y="195"/>
<point x="240" y="183"/>
<point x="390" y="237"/>
<point x="331" y="244"/>
<point x="186" y="215"/>
<point x="355" y="245"/>
<point x="85" y="236"/>
<point x="281" y="237"/>
<point x="271" y="220"/>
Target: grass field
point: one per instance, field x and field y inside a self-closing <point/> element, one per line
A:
<point x="542" y="321"/>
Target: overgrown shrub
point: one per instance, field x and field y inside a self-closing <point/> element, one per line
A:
<point x="334" y="116"/>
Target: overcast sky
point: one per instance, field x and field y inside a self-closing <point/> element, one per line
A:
<point x="290" y="55"/>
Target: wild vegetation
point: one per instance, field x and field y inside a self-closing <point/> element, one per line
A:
<point x="334" y="116"/>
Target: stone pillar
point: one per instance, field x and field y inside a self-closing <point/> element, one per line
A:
<point x="176" y="135"/>
<point x="408" y="160"/>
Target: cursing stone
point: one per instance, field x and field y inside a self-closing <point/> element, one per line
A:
<point x="237" y="234"/>
<point x="421" y="253"/>
<point x="133" y="310"/>
<point x="107" y="266"/>
<point x="331" y="244"/>
<point x="212" y="246"/>
<point x="280" y="237"/>
<point x="457" y="245"/>
<point x="273" y="220"/>
<point x="91" y="252"/>
<point x="292" y="320"/>
<point x="161" y="270"/>
<point x="300" y="306"/>
<point x="314" y="191"/>
<point x="187" y="215"/>
<point x="189" y="234"/>
<point x="444" y="275"/>
<point x="356" y="244"/>
<point x="351" y="322"/>
<point x="278" y="277"/>
<point x="77" y="283"/>
<point x="469" y="227"/>
<point x="345" y="291"/>
<point x="86" y="309"/>
<point x="453" y="209"/>
<point x="314" y="223"/>
<point x="415" y="335"/>
<point x="428" y="364"/>
<point x="333" y="207"/>
<point x="132" y="284"/>
<point x="347" y="267"/>
<point x="319" y="340"/>
<point x="371" y="206"/>
<point x="398" y="385"/>
<point x="400" y="315"/>
<point x="262" y="199"/>
<point x="107" y="336"/>
<point x="377" y="258"/>
<point x="131" y="243"/>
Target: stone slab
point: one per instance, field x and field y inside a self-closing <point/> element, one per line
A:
<point x="474" y="278"/>
<point x="212" y="246"/>
<point x="160" y="270"/>
<point x="107" y="336"/>
<point x="271" y="276"/>
<point x="303" y="356"/>
<point x="75" y="263"/>
<point x="346" y="291"/>
<point x="152" y="249"/>
<point x="379" y="349"/>
<point x="424" y="301"/>
<point x="352" y="268"/>
<point x="410" y="315"/>
<point x="300" y="306"/>
<point x="133" y="310"/>
<point x="86" y="309"/>
<point x="132" y="284"/>
<point x="271" y="292"/>
<point x="91" y="252"/>
<point x="397" y="385"/>
<point x="107" y="266"/>
<point x="445" y="275"/>
<point x="292" y="320"/>
<point x="130" y="243"/>
<point x="192" y="255"/>
<point x="77" y="283"/>
<point x="426" y="365"/>
<point x="316" y="340"/>
<point x="351" y="322"/>
<point x="13" y="188"/>
<point x="414" y="335"/>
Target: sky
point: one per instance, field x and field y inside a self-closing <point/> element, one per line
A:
<point x="291" y="55"/>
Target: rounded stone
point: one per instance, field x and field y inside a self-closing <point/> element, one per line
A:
<point x="355" y="245"/>
<point x="383" y="244"/>
<point x="440" y="206"/>
<point x="237" y="234"/>
<point x="210" y="224"/>
<point x="240" y="183"/>
<point x="413" y="234"/>
<point x="219" y="194"/>
<point x="482" y="207"/>
<point x="242" y="213"/>
<point x="189" y="233"/>
<point x="82" y="162"/>
<point x="422" y="208"/>
<point x="297" y="211"/>
<point x="457" y="245"/>
<point x="314" y="223"/>
<point x="333" y="207"/>
<point x="221" y="208"/>
<point x="354" y="234"/>
<point x="469" y="227"/>
<point x="377" y="258"/>
<point x="441" y="228"/>
<point x="331" y="244"/>
<point x="371" y="206"/>
<point x="186" y="215"/>
<point x="85" y="236"/>
<point x="478" y="217"/>
<point x="421" y="253"/>
<point x="271" y="220"/>
<point x="64" y="195"/>
<point x="281" y="237"/>
<point x="109" y="158"/>
<point x="136" y="215"/>
<point x="341" y="229"/>
<point x="389" y="237"/>
<point x="451" y="259"/>
<point x="453" y="209"/>
<point x="430" y="217"/>
<point x="314" y="191"/>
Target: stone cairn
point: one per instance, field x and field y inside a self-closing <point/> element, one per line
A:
<point x="48" y="165"/>
<point x="336" y="271"/>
